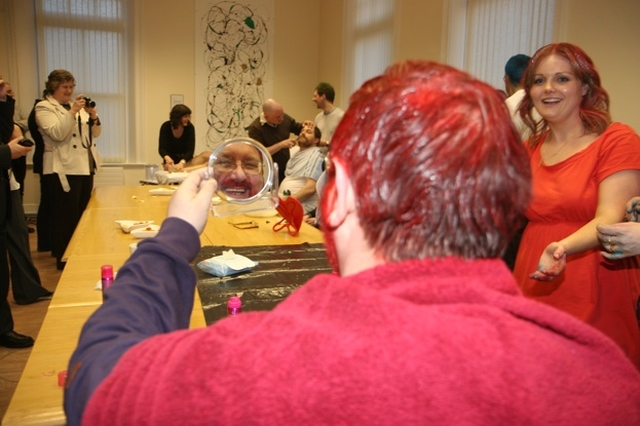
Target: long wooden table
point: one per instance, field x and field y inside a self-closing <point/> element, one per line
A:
<point x="98" y="240"/>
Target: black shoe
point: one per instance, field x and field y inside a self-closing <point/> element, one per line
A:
<point x="14" y="340"/>
<point x="46" y="296"/>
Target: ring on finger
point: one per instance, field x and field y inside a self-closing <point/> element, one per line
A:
<point x="609" y="240"/>
<point x="612" y="248"/>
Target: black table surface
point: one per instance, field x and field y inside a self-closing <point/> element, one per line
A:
<point x="280" y="270"/>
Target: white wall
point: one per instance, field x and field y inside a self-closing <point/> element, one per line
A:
<point x="609" y="33"/>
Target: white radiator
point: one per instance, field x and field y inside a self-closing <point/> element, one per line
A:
<point x="109" y="176"/>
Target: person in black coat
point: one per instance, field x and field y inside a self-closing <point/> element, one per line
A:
<point x="9" y="149"/>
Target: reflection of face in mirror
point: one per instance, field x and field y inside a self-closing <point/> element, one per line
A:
<point x="239" y="171"/>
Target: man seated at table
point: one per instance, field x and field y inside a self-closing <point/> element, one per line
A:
<point x="303" y="169"/>
<point x="422" y="322"/>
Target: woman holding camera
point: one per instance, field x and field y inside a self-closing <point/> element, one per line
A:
<point x="68" y="126"/>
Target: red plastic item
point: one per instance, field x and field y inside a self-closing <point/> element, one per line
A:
<point x="292" y="213"/>
<point x="62" y="378"/>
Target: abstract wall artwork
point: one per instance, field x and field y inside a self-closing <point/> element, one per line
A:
<point x="233" y="62"/>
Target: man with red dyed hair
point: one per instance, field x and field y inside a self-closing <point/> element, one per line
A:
<point x="421" y="324"/>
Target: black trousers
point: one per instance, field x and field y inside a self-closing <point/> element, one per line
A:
<point x="6" y="320"/>
<point x="67" y="209"/>
<point x="44" y="219"/>
<point x="25" y="279"/>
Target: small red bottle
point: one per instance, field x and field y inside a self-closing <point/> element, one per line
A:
<point x="107" y="277"/>
<point x="234" y="306"/>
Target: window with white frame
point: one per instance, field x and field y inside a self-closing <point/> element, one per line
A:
<point x="369" y="39"/>
<point x="484" y="34"/>
<point x="89" y="39"/>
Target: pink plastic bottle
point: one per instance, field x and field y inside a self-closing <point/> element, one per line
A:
<point x="107" y="277"/>
<point x="234" y="306"/>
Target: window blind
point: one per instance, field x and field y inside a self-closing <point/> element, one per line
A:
<point x="499" y="29"/>
<point x="89" y="39"/>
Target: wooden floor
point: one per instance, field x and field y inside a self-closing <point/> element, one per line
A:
<point x="27" y="319"/>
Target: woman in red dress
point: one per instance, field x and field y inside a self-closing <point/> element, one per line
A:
<point x="585" y="168"/>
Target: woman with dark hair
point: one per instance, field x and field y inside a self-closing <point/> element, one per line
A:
<point x="177" y="142"/>
<point x="68" y="127"/>
<point x="584" y="169"/>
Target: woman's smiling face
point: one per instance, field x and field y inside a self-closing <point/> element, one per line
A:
<point x="556" y="92"/>
<point x="64" y="92"/>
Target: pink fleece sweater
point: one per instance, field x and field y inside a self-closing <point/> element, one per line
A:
<point x="418" y="342"/>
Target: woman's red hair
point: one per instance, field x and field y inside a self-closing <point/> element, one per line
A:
<point x="594" y="108"/>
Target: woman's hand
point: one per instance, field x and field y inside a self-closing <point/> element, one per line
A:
<point x="168" y="164"/>
<point x="93" y="112"/>
<point x="552" y="262"/>
<point x="77" y="105"/>
<point x="620" y="240"/>
<point x="179" y="167"/>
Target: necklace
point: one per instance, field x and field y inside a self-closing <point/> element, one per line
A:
<point x="559" y="149"/>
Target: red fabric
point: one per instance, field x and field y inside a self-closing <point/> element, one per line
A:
<point x="418" y="342"/>
<point x="600" y="292"/>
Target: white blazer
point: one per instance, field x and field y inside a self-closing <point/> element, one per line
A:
<point x="66" y="141"/>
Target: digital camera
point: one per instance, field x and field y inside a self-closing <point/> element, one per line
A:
<point x="88" y="102"/>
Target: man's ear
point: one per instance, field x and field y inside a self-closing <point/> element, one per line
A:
<point x="342" y="198"/>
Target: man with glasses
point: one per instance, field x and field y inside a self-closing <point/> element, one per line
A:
<point x="238" y="170"/>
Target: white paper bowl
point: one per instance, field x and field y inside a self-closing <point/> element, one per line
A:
<point x="146" y="232"/>
<point x="129" y="225"/>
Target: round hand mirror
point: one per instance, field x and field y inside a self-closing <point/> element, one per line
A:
<point x="246" y="176"/>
